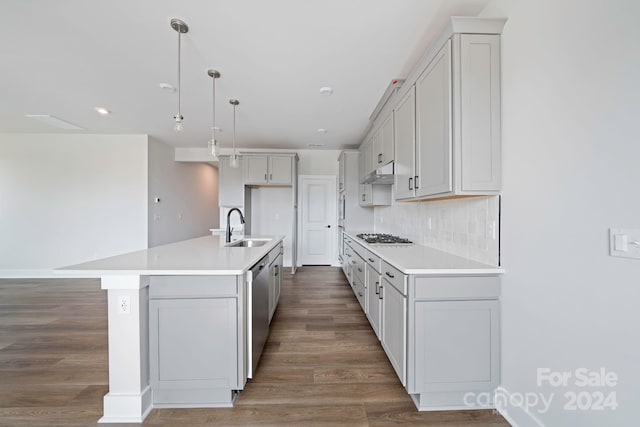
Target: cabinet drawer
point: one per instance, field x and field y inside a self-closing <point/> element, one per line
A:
<point x="192" y="286"/>
<point x="360" y="292"/>
<point x="360" y="250"/>
<point x="373" y="261"/>
<point x="348" y="240"/>
<point x="357" y="264"/>
<point x="348" y="254"/>
<point x="460" y="287"/>
<point x="395" y="277"/>
<point x="275" y="252"/>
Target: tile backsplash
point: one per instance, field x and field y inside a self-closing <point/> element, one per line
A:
<point x="468" y="227"/>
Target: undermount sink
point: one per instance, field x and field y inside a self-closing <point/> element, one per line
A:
<point x="247" y="243"/>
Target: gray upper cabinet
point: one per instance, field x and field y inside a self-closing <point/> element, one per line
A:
<point x="268" y="170"/>
<point x="383" y="142"/>
<point x="280" y="170"/>
<point x="256" y="170"/>
<point x="478" y="130"/>
<point x="433" y="127"/>
<point x="456" y="130"/>
<point x="405" y="139"/>
<point x="231" y="187"/>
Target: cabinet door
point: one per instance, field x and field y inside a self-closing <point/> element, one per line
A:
<point x="386" y="138"/>
<point x="456" y="345"/>
<point x="280" y="170"/>
<point x="377" y="149"/>
<point x="366" y="195"/>
<point x="433" y="126"/>
<point x="480" y="112"/>
<point x="206" y="356"/>
<point x="373" y="296"/>
<point x="405" y="132"/>
<point x="255" y="170"/>
<point x="394" y="328"/>
<point x="341" y="172"/>
<point x="368" y="153"/>
<point x="231" y="189"/>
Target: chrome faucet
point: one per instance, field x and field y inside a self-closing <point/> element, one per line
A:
<point x="228" y="238"/>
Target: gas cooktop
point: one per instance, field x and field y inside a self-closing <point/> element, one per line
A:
<point x="384" y="239"/>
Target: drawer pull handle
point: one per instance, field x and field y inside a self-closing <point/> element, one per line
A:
<point x="389" y="274"/>
<point x="371" y="260"/>
<point x="353" y="262"/>
<point x="360" y="293"/>
<point x="359" y="269"/>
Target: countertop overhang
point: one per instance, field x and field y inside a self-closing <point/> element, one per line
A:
<point x="207" y="255"/>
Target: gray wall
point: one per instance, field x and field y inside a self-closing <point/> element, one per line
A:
<point x="66" y="199"/>
<point x="571" y="91"/>
<point x="188" y="195"/>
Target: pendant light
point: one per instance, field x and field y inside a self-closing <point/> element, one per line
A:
<point x="214" y="147"/>
<point x="234" y="163"/>
<point x="180" y="27"/>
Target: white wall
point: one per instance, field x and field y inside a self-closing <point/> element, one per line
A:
<point x="571" y="91"/>
<point x="66" y="199"/>
<point x="271" y="214"/>
<point x="188" y="195"/>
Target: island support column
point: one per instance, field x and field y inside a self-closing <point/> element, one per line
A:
<point x="129" y="398"/>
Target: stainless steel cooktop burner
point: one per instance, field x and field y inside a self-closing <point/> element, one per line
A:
<point x="384" y="239"/>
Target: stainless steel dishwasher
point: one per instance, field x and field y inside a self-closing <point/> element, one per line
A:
<point x="259" y="311"/>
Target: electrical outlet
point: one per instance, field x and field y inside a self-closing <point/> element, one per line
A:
<point x="124" y="304"/>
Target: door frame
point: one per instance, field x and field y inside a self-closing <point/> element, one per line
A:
<point x="332" y="179"/>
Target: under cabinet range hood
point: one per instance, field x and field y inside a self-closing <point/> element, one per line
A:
<point x="382" y="175"/>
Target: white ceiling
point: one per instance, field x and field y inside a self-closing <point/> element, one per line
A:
<point x="66" y="57"/>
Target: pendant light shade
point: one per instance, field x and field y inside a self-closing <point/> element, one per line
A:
<point x="214" y="147"/>
<point x="180" y="27"/>
<point x="234" y="162"/>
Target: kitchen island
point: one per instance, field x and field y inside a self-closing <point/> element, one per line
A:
<point x="186" y="325"/>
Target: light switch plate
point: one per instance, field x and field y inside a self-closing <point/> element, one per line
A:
<point x="624" y="242"/>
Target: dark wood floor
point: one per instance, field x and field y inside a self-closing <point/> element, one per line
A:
<point x="322" y="365"/>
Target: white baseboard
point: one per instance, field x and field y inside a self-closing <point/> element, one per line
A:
<point x="517" y="416"/>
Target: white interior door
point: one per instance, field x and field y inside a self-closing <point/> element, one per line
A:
<point x="318" y="219"/>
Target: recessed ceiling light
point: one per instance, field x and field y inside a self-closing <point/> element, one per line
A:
<point x="321" y="131"/>
<point x="167" y="87"/>
<point x="316" y="145"/>
<point x="326" y="91"/>
<point x="53" y="121"/>
<point x="102" y="111"/>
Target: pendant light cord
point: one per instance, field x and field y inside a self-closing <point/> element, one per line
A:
<point x="213" y="103"/>
<point x="179" y="50"/>
<point x="234" y="129"/>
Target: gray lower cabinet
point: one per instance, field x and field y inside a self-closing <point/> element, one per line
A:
<point x="275" y="283"/>
<point x="394" y="328"/>
<point x="440" y="333"/>
<point x="455" y="339"/>
<point x="195" y="341"/>
<point x="374" y="314"/>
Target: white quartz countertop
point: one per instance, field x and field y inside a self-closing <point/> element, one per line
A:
<point x="201" y="256"/>
<point x="419" y="259"/>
